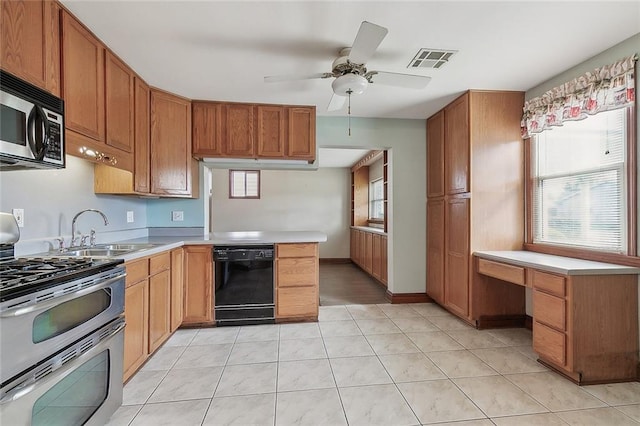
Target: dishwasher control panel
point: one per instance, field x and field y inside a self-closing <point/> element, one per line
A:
<point x="235" y="253"/>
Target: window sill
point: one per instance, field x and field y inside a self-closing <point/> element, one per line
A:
<point x="596" y="256"/>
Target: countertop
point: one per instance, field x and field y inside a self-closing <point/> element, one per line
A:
<point x="223" y="238"/>
<point x="370" y="229"/>
<point x="557" y="264"/>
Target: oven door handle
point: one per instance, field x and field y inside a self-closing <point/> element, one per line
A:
<point x="16" y="312"/>
<point x="63" y="371"/>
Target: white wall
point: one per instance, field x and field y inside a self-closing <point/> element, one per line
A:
<point x="50" y="199"/>
<point x="290" y="200"/>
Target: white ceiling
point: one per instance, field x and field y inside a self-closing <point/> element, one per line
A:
<point x="222" y="50"/>
<point x="340" y="157"/>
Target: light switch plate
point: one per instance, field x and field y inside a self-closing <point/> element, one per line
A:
<point x="130" y="216"/>
<point x="177" y="216"/>
<point x="19" y="215"/>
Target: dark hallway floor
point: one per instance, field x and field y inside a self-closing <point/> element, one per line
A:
<point x="345" y="284"/>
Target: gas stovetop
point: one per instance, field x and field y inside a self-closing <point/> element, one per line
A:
<point x="22" y="276"/>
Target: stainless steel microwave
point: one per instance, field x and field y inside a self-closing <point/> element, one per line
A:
<point x="31" y="126"/>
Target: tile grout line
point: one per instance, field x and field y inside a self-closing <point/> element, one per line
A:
<point x="335" y="381"/>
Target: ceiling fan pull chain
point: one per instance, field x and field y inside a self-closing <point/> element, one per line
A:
<point x="349" y="110"/>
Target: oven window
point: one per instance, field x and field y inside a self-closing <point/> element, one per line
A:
<point x="68" y="315"/>
<point x="13" y="126"/>
<point x="74" y="399"/>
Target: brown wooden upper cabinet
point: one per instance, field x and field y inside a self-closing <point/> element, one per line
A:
<point x="435" y="155"/>
<point x="119" y="89"/>
<point x="236" y="130"/>
<point x="456" y="146"/>
<point x="30" y="42"/>
<point x="142" y="136"/>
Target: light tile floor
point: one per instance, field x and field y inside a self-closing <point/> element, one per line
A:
<point x="364" y="365"/>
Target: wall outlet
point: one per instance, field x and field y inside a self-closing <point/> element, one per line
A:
<point x="130" y="216"/>
<point x="19" y="215"/>
<point x="177" y="216"/>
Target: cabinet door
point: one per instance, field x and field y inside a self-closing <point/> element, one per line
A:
<point x="119" y="103"/>
<point x="297" y="302"/>
<point x="83" y="64"/>
<point x="159" y="309"/>
<point x="30" y="42"/>
<point x="142" y="137"/>
<point x="270" y="131"/>
<point x="376" y="254"/>
<point x="384" y="260"/>
<point x="456" y="154"/>
<point x="435" y="249"/>
<point x="177" y="288"/>
<point x="368" y="251"/>
<point x="136" y="299"/>
<point x="171" y="162"/>
<point x="353" y="237"/>
<point x="198" y="284"/>
<point x="362" y="255"/>
<point x="240" y="133"/>
<point x="302" y="134"/>
<point x="456" y="291"/>
<point x="435" y="155"/>
<point x="207" y="129"/>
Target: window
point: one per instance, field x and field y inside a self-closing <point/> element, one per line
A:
<point x="376" y="200"/>
<point x="244" y="184"/>
<point x="580" y="184"/>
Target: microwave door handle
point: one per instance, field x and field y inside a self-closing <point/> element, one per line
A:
<point x="63" y="372"/>
<point x="39" y="148"/>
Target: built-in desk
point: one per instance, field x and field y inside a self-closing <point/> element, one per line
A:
<point x="585" y="314"/>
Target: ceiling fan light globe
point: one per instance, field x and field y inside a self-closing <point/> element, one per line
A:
<point x="355" y="83"/>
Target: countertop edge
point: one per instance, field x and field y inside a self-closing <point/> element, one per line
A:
<point x="590" y="268"/>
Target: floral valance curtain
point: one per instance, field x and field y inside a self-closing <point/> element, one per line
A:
<point x="606" y="88"/>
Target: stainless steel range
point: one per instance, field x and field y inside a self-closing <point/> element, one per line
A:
<point x="61" y="339"/>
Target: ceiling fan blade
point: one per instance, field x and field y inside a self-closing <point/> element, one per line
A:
<point x="408" y="81"/>
<point x="366" y="42"/>
<point x="278" y="78"/>
<point x="336" y="102"/>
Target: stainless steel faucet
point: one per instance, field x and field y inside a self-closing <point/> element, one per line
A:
<point x="73" y="223"/>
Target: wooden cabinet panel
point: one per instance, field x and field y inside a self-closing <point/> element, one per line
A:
<point x="119" y="86"/>
<point x="384" y="260"/>
<point x="435" y="155"/>
<point x="240" y="132"/>
<point x="198" y="281"/>
<point x="171" y="162"/>
<point x="159" y="309"/>
<point x="297" y="250"/>
<point x="297" y="272"/>
<point x="368" y="252"/>
<point x="83" y="80"/>
<point x="207" y="129"/>
<point x="142" y="136"/>
<point x="456" y="151"/>
<point x="302" y="133"/>
<point x="136" y="331"/>
<point x="160" y="262"/>
<point x="549" y="343"/>
<point x="177" y="287"/>
<point x="30" y="42"/>
<point x="509" y="273"/>
<point x="376" y="256"/>
<point x="353" y="237"/>
<point x="457" y="256"/>
<point x="549" y="310"/>
<point x="297" y="302"/>
<point x="435" y="249"/>
<point x="270" y="131"/>
<point x="549" y="283"/>
<point x="137" y="270"/>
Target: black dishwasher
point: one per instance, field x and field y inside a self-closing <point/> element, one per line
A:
<point x="244" y="285"/>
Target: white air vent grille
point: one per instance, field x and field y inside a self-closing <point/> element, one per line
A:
<point x="431" y="58"/>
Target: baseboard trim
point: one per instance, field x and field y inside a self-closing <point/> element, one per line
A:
<point x="408" y="297"/>
<point x="334" y="260"/>
<point x="501" y="321"/>
<point x="528" y="322"/>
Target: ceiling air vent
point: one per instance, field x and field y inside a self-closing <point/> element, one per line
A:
<point x="431" y="58"/>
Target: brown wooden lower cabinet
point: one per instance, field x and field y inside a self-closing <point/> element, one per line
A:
<point x="136" y="302"/>
<point x="369" y="252"/>
<point x="297" y="281"/>
<point x="198" y="282"/>
<point x="177" y="288"/>
<point x="159" y="309"/>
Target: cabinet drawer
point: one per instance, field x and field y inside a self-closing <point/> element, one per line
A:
<point x="297" y="250"/>
<point x="549" y="310"/>
<point x="137" y="270"/>
<point x="549" y="343"/>
<point x="502" y="271"/>
<point x="549" y="283"/>
<point x="297" y="272"/>
<point x="297" y="302"/>
<point x="160" y="262"/>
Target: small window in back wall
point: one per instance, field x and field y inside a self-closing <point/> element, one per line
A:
<point x="244" y="184"/>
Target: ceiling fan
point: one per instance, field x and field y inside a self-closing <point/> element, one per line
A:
<point x="350" y="72"/>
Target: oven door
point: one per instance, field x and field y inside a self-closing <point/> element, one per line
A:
<point x="80" y="385"/>
<point x="35" y="326"/>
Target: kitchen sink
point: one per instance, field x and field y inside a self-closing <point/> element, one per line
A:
<point x="125" y="247"/>
<point x="95" y="252"/>
<point x="103" y="250"/>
